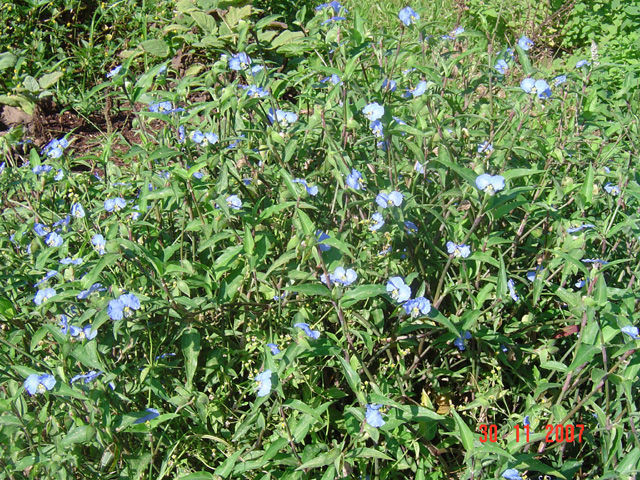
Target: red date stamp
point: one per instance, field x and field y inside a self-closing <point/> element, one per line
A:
<point x="554" y="433"/>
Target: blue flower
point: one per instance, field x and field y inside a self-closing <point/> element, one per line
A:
<point x="525" y="43"/>
<point x="234" y="202"/>
<point x="528" y="84"/>
<point x="2" y="166"/>
<point x="50" y="274"/>
<point x="114" y="71"/>
<point x="59" y="175"/>
<point x="63" y="222"/>
<point x="254" y="91"/>
<point x="264" y="383"/>
<point x="410" y="227"/>
<point x="389" y="85"/>
<point x="526" y="420"/>
<point x="512" y="290"/>
<point x="152" y="413"/>
<point x="582" y="63"/>
<point x="42" y="169"/>
<point x="373" y="416"/>
<point x="284" y="119"/>
<point x="334" y="4"/>
<point x="354" y="180"/>
<point x="274" y="348"/>
<point x="39" y="383"/>
<point x="204" y="139"/>
<point x="501" y="66"/>
<point x="531" y="276"/>
<point x="116" y="204"/>
<point x="99" y="243"/>
<point x="376" y="222"/>
<point x="165" y="355"/>
<point x="82" y="333"/>
<point x="77" y="211"/>
<point x="612" y="189"/>
<point x="418" y="167"/>
<point x="511" y="474"/>
<point x="559" y="80"/>
<point x="408" y="16"/>
<point x="64" y="323"/>
<point x="490" y="183"/>
<point x="543" y="89"/>
<point x="421" y="87"/>
<point x="315" y="334"/>
<point x="123" y="306"/>
<point x="88" y="377"/>
<point x="399" y="291"/>
<point x="417" y="306"/>
<point x="54" y="148"/>
<point x="385" y="200"/>
<point x="485" y="147"/>
<point x="313" y="191"/>
<point x="580" y="228"/>
<point x="334" y="79"/>
<point x="43" y="295"/>
<point x="235" y="143"/>
<point x="239" y="61"/>
<point x="456" y="250"/>
<point x="595" y="260"/>
<point x="334" y="19"/>
<point x="373" y="111"/>
<point x="459" y="342"/>
<point x="376" y="128"/>
<point x="53" y="240"/>
<point x="580" y="283"/>
<point x="320" y="235"/>
<point x="631" y="331"/>
<point x="453" y="34"/>
<point x="343" y="277"/>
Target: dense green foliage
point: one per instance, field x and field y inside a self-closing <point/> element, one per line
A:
<point x="454" y="250"/>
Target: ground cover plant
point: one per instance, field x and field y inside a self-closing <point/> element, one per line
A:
<point x="302" y="241"/>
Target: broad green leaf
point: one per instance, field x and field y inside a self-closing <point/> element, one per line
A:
<point x="361" y="292"/>
<point x="310" y="289"/>
<point x="49" y="79"/>
<point x="190" y="343"/>
<point x="155" y="47"/>
<point x="463" y="432"/>
<point x="79" y="434"/>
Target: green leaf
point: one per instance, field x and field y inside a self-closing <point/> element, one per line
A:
<point x="7" y="60"/>
<point x="190" y="343"/>
<point x="87" y="355"/>
<point x="227" y="466"/>
<point x="197" y="476"/>
<point x="587" y="187"/>
<point x="311" y="289"/>
<point x="365" y="452"/>
<point x="6" y="308"/>
<point x="79" y="434"/>
<point x="466" y="173"/>
<point x="31" y="84"/>
<point x="286" y="38"/>
<point x="361" y="292"/>
<point x="49" y="79"/>
<point x="463" y="431"/>
<point x="155" y="47"/>
<point x="585" y="354"/>
<point x="206" y="22"/>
